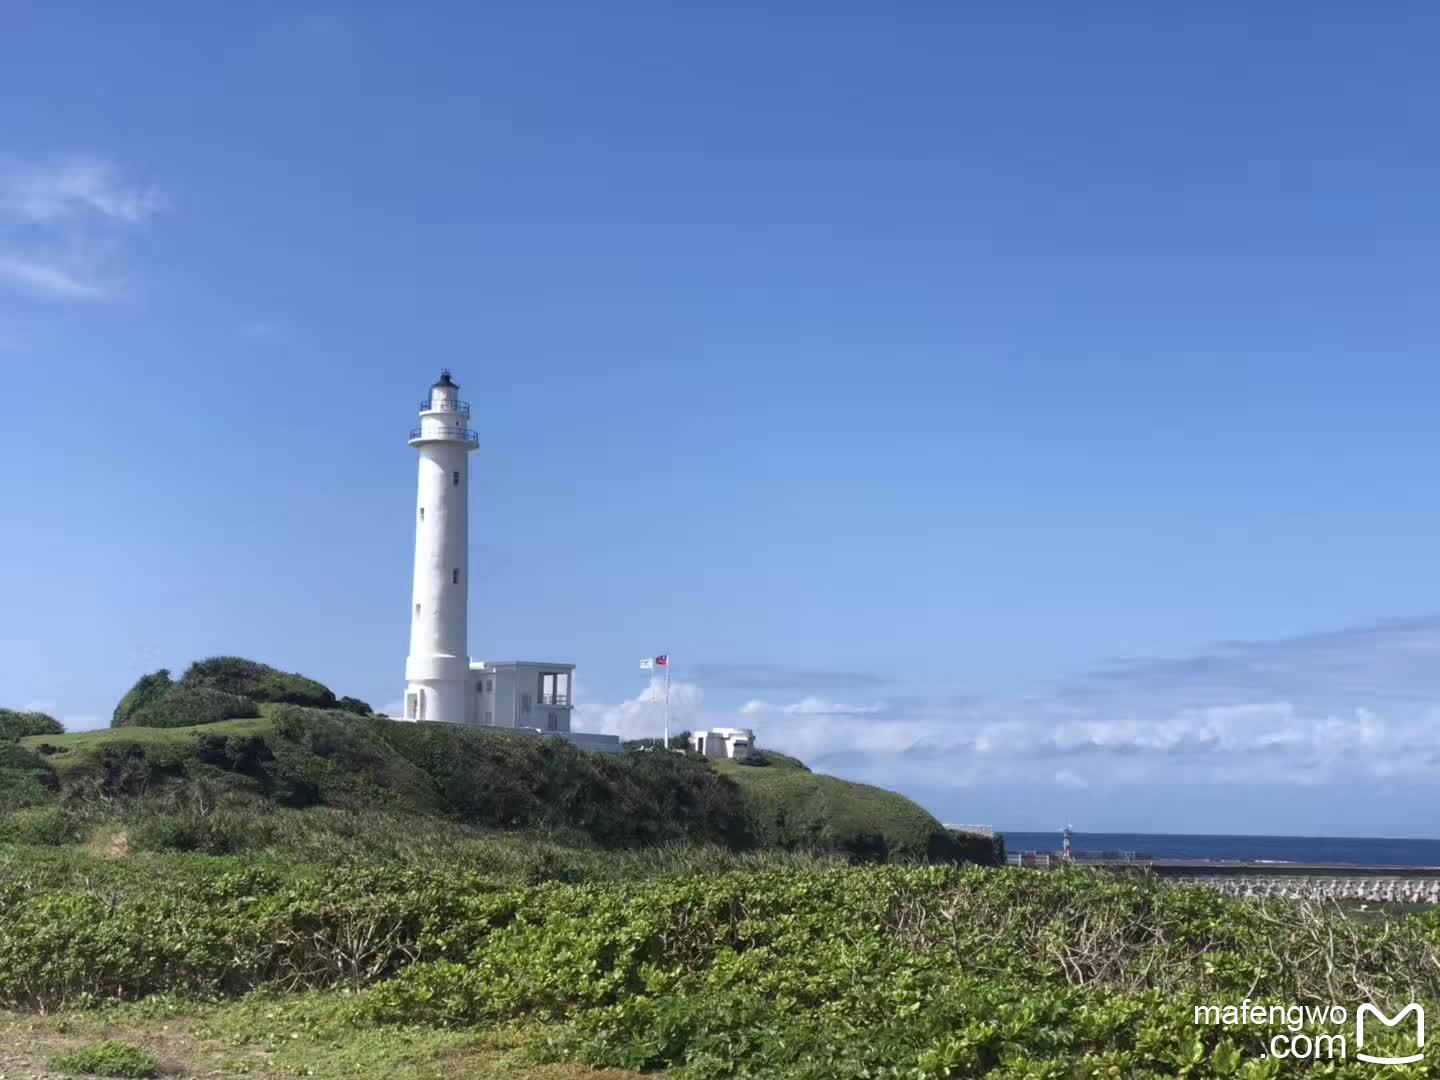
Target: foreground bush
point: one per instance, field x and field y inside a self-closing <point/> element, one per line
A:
<point x="876" y="971"/>
<point x="109" y="1058"/>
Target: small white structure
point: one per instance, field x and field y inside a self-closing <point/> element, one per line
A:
<point x="522" y="694"/>
<point x="727" y="742"/>
<point x="442" y="683"/>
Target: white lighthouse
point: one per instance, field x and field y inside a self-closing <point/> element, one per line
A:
<point x="442" y="683"/>
<point x="437" y="671"/>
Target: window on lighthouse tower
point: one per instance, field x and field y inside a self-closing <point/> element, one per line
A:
<point x="455" y="478"/>
<point x="454" y="577"/>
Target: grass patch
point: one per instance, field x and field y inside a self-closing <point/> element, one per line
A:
<point x="77" y="751"/>
<point x="109" y="1058"/>
<point x="308" y="1034"/>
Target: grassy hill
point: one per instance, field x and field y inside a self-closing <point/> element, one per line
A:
<point x="296" y="758"/>
<point x="237" y="756"/>
<point x="240" y="784"/>
<point x="787" y="806"/>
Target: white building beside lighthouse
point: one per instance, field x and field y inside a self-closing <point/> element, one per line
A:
<point x="442" y="683"/>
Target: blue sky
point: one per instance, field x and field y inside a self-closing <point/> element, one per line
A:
<point x="896" y="371"/>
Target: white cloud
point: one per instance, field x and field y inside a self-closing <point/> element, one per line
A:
<point x="643" y="716"/>
<point x="48" y="279"/>
<point x="1351" y="710"/>
<point x="72" y="188"/>
<point x="1349" y="706"/>
<point x="808" y="706"/>
<point x="63" y="225"/>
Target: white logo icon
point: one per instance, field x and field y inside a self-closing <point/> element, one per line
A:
<point x="1390" y="1021"/>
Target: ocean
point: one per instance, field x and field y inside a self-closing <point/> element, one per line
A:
<point x="1363" y="851"/>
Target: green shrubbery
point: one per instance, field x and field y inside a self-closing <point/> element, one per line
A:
<point x="184" y="706"/>
<point x="220" y="688"/>
<point x="17" y="725"/>
<point x="258" y="682"/>
<point x="25" y="777"/>
<point x="147" y="690"/>
<point x="874" y="971"/>
<point x="109" y="1058"/>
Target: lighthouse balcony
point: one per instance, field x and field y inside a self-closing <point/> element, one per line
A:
<point x="459" y="408"/>
<point x="444" y="433"/>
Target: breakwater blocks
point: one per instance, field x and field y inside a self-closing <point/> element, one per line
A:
<point x="1398" y="889"/>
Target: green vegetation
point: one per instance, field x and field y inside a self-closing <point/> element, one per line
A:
<point x="220" y="782"/>
<point x="16" y="725"/>
<point x="295" y="757"/>
<point x="220" y="688"/>
<point x="185" y="706"/>
<point x="346" y="894"/>
<point x="258" y="682"/>
<point x="789" y="807"/>
<point x="109" y="1058"/>
<point x="147" y="690"/>
<point x="25" y="778"/>
<point x="790" y="970"/>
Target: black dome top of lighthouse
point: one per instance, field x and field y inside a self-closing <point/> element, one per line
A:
<point x="445" y="382"/>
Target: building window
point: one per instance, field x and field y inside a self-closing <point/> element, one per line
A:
<point x="455" y="479"/>
<point x="479" y="686"/>
<point x="554" y="722"/>
<point x="417" y="609"/>
<point x="489" y="686"/>
<point x="554" y="688"/>
<point x="454" y="577"/>
<point x="422" y="513"/>
<point x="524" y="702"/>
<point x="489" y="718"/>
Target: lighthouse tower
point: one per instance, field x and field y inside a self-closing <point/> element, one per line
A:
<point x="438" y="668"/>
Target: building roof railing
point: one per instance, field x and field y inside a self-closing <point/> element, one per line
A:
<point x="446" y="432"/>
<point x="460" y="407"/>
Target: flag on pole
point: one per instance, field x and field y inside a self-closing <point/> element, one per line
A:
<point x="662" y="661"/>
<point x="647" y="664"/>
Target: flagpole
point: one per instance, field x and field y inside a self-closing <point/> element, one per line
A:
<point x="667" y="701"/>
